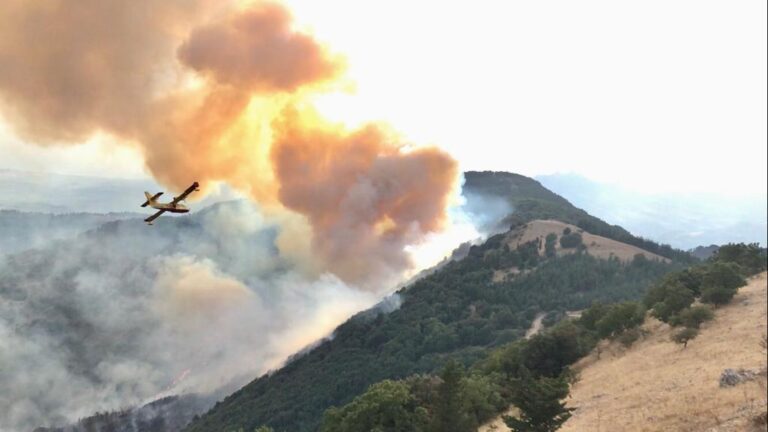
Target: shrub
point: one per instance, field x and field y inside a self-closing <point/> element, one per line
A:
<point x="685" y="335"/>
<point x="694" y="316"/>
<point x="672" y="297"/>
<point x="629" y="337"/>
<point x="619" y="318"/>
<point x="592" y="315"/>
<point x="750" y="257"/>
<point x="720" y="283"/>
<point x="569" y="241"/>
<point x="549" y="245"/>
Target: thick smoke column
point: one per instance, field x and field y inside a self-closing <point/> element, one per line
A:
<point x="210" y="91"/>
<point x="364" y="196"/>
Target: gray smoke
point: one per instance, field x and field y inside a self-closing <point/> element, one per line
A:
<point x="126" y="314"/>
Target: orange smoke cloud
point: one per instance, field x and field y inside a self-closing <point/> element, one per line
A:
<point x="256" y="50"/>
<point x="365" y="196"/>
<point x="75" y="67"/>
<point x="70" y="68"/>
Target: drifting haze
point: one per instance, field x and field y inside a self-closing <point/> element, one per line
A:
<point x="122" y="315"/>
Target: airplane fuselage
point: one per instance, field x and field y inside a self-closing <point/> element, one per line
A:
<point x="175" y="206"/>
<point x="172" y="208"/>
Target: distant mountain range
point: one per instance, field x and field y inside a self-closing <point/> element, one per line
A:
<point x="683" y="220"/>
<point x="62" y="193"/>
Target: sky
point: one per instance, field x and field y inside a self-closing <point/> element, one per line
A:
<point x="659" y="96"/>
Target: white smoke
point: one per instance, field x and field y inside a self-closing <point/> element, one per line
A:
<point x="112" y="319"/>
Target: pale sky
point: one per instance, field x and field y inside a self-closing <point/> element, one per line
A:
<point x="657" y="95"/>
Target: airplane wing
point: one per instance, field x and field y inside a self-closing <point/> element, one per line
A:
<point x="184" y="194"/>
<point x="154" y="216"/>
<point x="154" y="197"/>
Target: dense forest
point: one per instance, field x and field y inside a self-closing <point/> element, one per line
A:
<point x="456" y="314"/>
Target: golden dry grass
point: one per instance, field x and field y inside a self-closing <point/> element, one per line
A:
<point x="658" y="386"/>
<point x="598" y="246"/>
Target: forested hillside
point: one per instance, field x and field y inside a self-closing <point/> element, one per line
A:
<point x="458" y="312"/>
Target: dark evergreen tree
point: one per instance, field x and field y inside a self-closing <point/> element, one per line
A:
<point x="450" y="411"/>
<point x="539" y="401"/>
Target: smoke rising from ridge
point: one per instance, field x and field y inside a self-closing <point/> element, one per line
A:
<point x="212" y="91"/>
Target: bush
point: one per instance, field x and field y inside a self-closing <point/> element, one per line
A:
<point x="717" y="295"/>
<point x="672" y="297"/>
<point x="685" y="335"/>
<point x="570" y="241"/>
<point x="591" y="316"/>
<point x="384" y="403"/>
<point x="720" y="283"/>
<point x="619" y="318"/>
<point x="694" y="316"/>
<point x="750" y="257"/>
<point x="722" y="274"/>
<point x="629" y="337"/>
<point x="549" y="245"/>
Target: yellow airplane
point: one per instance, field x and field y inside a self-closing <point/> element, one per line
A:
<point x="174" y="206"/>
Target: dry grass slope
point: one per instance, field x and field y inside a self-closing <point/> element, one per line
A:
<point x="598" y="246"/>
<point x="657" y="386"/>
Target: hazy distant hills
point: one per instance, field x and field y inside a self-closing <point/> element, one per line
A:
<point x="29" y="230"/>
<point x="38" y="208"/>
<point x="61" y="193"/>
<point x="682" y="220"/>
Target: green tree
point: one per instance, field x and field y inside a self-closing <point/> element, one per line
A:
<point x="482" y="396"/>
<point x="694" y="316"/>
<point x="549" y="245"/>
<point x="387" y="406"/>
<point x="571" y="240"/>
<point x="539" y="401"/>
<point x="720" y="283"/>
<point x="751" y="257"/>
<point x="450" y="408"/>
<point x="685" y="335"/>
<point x="674" y="298"/>
<point x="264" y="429"/>
<point x="724" y="274"/>
<point x="620" y="317"/>
<point x="592" y="315"/>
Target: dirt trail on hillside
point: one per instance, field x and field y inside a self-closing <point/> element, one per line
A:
<point x="535" y="326"/>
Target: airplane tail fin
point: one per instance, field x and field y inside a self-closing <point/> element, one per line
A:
<point x="149" y="199"/>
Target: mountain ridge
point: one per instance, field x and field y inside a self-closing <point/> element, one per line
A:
<point x="452" y="313"/>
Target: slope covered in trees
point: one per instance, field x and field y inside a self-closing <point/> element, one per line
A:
<point x="457" y="313"/>
<point x="534" y="375"/>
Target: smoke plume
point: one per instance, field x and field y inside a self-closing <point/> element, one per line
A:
<point x="212" y="91"/>
<point x="123" y="315"/>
